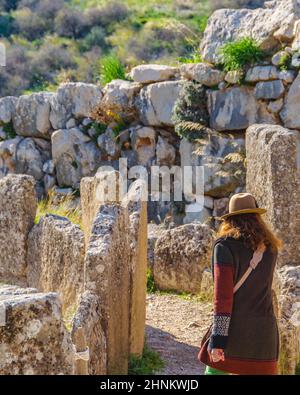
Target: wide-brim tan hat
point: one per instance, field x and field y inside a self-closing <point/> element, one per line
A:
<point x="243" y="203"/>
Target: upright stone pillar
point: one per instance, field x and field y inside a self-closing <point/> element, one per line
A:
<point x="273" y="156"/>
<point x="273" y="178"/>
<point x="136" y="203"/>
<point x="17" y="212"/>
<point x="107" y="275"/>
<point x="96" y="191"/>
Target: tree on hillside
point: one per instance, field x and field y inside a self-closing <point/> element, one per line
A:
<point x="8" y="5"/>
<point x="71" y="23"/>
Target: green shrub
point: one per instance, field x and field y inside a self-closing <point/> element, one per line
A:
<point x="9" y="130"/>
<point x="190" y="114"/>
<point x="120" y="127"/>
<point x="285" y="61"/>
<point x="6" y="25"/>
<point x="100" y="128"/>
<point x="111" y="69"/>
<point x="149" y="363"/>
<point x="194" y="57"/>
<point x="238" y="54"/>
<point x="150" y="281"/>
<point x="96" y="37"/>
<point x="74" y="164"/>
<point x="202" y="20"/>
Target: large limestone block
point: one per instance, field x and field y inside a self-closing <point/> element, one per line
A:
<point x="290" y="114"/>
<point x="262" y="73"/>
<point x="165" y="152"/>
<point x="73" y="99"/>
<point x="154" y="232"/>
<point x="143" y="140"/>
<point x="56" y="258"/>
<point x="107" y="275"/>
<point x="74" y="155"/>
<point x="204" y="73"/>
<point x="156" y="101"/>
<point x="31" y="115"/>
<point x="23" y="156"/>
<point x="288" y="301"/>
<point x="269" y="90"/>
<point x="236" y="109"/>
<point x="8" y="150"/>
<point x="94" y="192"/>
<point x="263" y="24"/>
<point x="87" y="318"/>
<point x="29" y="159"/>
<point x="222" y="173"/>
<point x="136" y="203"/>
<point x="17" y="213"/>
<point x="273" y="178"/>
<point x="181" y="255"/>
<point x="147" y="73"/>
<point x="33" y="338"/>
<point x="7" y="108"/>
<point x="119" y="95"/>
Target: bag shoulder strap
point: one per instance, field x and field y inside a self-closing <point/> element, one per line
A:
<point x="256" y="258"/>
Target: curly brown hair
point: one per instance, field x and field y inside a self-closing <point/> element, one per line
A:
<point x="252" y="228"/>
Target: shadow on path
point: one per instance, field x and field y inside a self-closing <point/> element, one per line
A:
<point x="180" y="358"/>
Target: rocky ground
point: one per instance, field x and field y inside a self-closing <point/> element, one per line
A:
<point x="174" y="328"/>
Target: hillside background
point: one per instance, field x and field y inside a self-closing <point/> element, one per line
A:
<point x="53" y="41"/>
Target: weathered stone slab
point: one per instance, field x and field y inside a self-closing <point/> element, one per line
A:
<point x="165" y="152"/>
<point x="156" y="101"/>
<point x="204" y="73"/>
<point x="290" y="114"/>
<point x="73" y="99"/>
<point x="221" y="176"/>
<point x="95" y="191"/>
<point x="273" y="154"/>
<point x="107" y="274"/>
<point x="87" y="317"/>
<point x="136" y="204"/>
<point x="147" y="73"/>
<point x="17" y="213"/>
<point x="269" y="90"/>
<point x="31" y="115"/>
<point x="287" y="288"/>
<point x="33" y="339"/>
<point x="119" y="95"/>
<point x="56" y="258"/>
<point x="181" y="255"/>
<point x="143" y="139"/>
<point x="154" y="232"/>
<point x="8" y="150"/>
<point x="74" y="156"/>
<point x="7" y="108"/>
<point x="268" y="26"/>
<point x="262" y="73"/>
<point x="29" y="159"/>
<point x="236" y="109"/>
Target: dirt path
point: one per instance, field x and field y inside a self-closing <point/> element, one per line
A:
<point x="174" y="328"/>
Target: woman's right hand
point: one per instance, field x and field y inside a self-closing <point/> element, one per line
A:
<point x="217" y="354"/>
